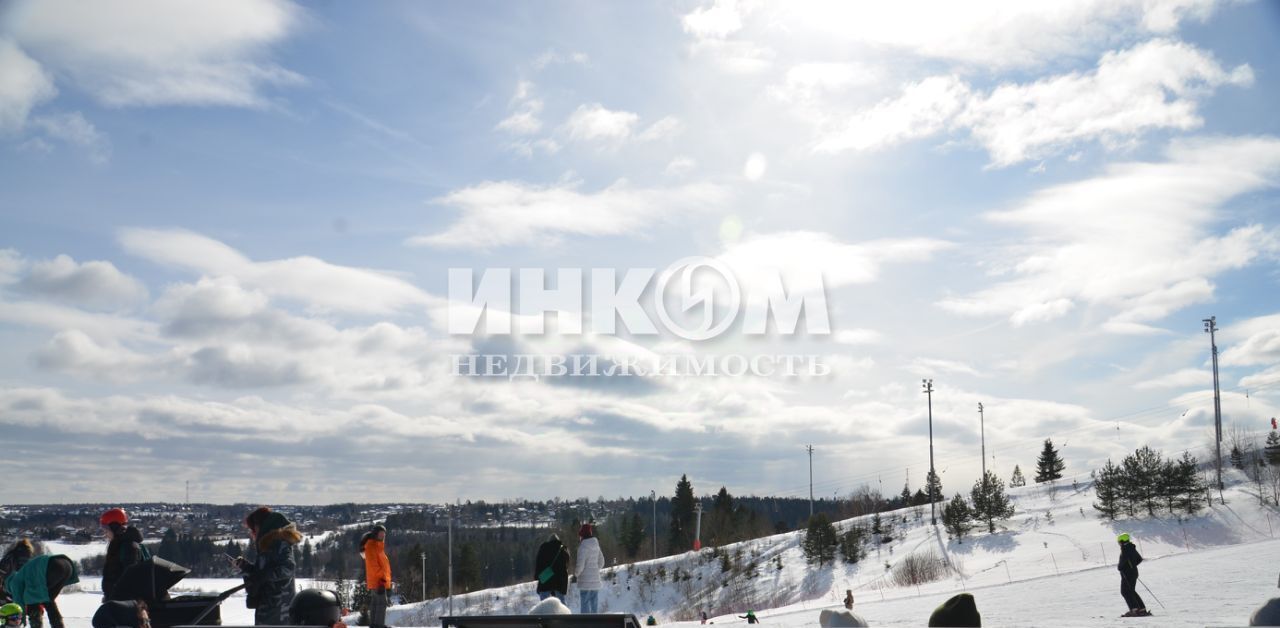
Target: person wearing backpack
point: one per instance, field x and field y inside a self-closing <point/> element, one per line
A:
<point x="124" y="548"/>
<point x="551" y="568"/>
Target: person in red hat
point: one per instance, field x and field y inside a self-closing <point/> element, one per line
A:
<point x="124" y="547"/>
<point x="590" y="562"/>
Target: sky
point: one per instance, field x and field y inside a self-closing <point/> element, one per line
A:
<point x="226" y="231"/>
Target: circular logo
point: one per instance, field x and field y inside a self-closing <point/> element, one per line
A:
<point x="697" y="282"/>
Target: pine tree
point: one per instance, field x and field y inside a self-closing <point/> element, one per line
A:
<point x="1050" y="465"/>
<point x="1017" y="479"/>
<point x="933" y="486"/>
<point x="919" y="499"/>
<point x="633" y="535"/>
<point x="851" y="542"/>
<point x="1237" y="457"/>
<point x="1105" y="486"/>
<point x="906" y="494"/>
<point x="955" y="517"/>
<point x="681" y="534"/>
<point x="819" y="544"/>
<point x="877" y="527"/>
<point x="1189" y="483"/>
<point x="1143" y="472"/>
<point x="1272" y="448"/>
<point x="307" y="559"/>
<point x="989" y="501"/>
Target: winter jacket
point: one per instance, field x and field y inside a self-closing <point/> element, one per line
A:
<point x="30" y="584"/>
<point x="1129" y="558"/>
<point x="125" y="549"/>
<point x="269" y="578"/>
<point x="555" y="555"/>
<point x="13" y="560"/>
<point x="377" y="569"/>
<point x="590" y="562"/>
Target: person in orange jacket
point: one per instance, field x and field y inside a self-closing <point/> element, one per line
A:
<point x="377" y="571"/>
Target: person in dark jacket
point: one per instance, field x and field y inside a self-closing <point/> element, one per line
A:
<point x="1128" y="566"/>
<point x="124" y="548"/>
<point x="958" y="610"/>
<point x="14" y="558"/>
<point x="269" y="576"/>
<point x="551" y="568"/>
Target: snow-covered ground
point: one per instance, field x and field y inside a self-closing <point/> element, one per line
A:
<point x="1052" y="565"/>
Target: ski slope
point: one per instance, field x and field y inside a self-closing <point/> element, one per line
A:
<point x="1055" y="570"/>
<point x="1053" y="563"/>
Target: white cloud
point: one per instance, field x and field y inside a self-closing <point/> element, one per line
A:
<point x="73" y="351"/>
<point x="681" y="166"/>
<point x="594" y="122"/>
<point x="1135" y="239"/>
<point x="305" y="279"/>
<point x="858" y="336"/>
<point x="755" y="167"/>
<point x="552" y="57"/>
<point x="924" y="108"/>
<point x="95" y="283"/>
<point x="931" y="367"/>
<point x="717" y="21"/>
<point x="1185" y="378"/>
<point x="1261" y="346"/>
<point x="73" y="128"/>
<point x="1155" y="85"/>
<point x="158" y="52"/>
<point x="524" y="120"/>
<point x="11" y="266"/>
<point x="502" y="213"/>
<point x="24" y="84"/>
<point x="799" y="253"/>
<point x="665" y="128"/>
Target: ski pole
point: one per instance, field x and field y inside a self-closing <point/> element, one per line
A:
<point x="1153" y="595"/>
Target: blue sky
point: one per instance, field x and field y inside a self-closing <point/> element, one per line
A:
<point x="225" y="231"/>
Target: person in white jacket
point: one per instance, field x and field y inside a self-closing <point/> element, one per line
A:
<point x="590" y="561"/>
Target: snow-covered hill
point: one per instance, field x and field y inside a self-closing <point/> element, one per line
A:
<point x="1055" y="545"/>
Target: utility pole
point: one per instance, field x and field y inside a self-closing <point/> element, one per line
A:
<point x="1211" y="328"/>
<point x="933" y="501"/>
<point x="982" y="424"/>
<point x="653" y="497"/>
<point x="697" y="535"/>
<point x="188" y="494"/>
<point x="810" y="449"/>
<point x="450" y="578"/>
<point x="424" y="576"/>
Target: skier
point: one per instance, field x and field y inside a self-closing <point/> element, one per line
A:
<point x="1128" y="566"/>
<point x="750" y="617"/>
<point x="848" y="599"/>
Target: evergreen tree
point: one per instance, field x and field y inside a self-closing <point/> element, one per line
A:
<point x="469" y="573"/>
<point x="360" y="600"/>
<point x="681" y="534"/>
<point x="919" y="499"/>
<point x="1105" y="482"/>
<point x="877" y="527"/>
<point x="851" y="550"/>
<point x="933" y="487"/>
<point x="1237" y="457"/>
<point x="819" y="544"/>
<point x="306" y="559"/>
<point x="1050" y="465"/>
<point x="989" y="501"/>
<point x="906" y="494"/>
<point x="633" y="535"/>
<point x="1017" y="479"/>
<point x="1272" y="448"/>
<point x="955" y="517"/>
<point x="1143" y="472"/>
<point x="1190" y="485"/>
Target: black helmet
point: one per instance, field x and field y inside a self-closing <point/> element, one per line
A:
<point x="315" y="607"/>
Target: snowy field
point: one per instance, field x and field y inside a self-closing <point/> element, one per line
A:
<point x="1053" y="564"/>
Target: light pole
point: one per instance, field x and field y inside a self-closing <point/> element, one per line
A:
<point x="450" y="578"/>
<point x="1211" y="327"/>
<point x="697" y="535"/>
<point x="810" y="450"/>
<point x="653" y="497"/>
<point x="933" y="501"/>
<point x="982" y="424"/>
<point x="424" y="576"/>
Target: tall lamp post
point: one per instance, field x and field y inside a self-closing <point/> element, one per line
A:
<point x="982" y="424"/>
<point x="1211" y="327"/>
<point x="653" y="497"/>
<point x="933" y="501"/>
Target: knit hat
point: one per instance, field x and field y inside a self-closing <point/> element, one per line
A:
<point x="960" y="610"/>
<point x="1123" y="538"/>
<point x="585" y="532"/>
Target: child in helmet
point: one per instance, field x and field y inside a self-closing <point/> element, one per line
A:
<point x="11" y="614"/>
<point x="124" y="547"/>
